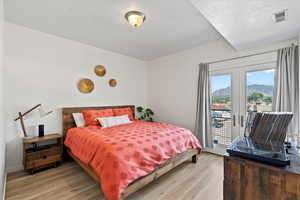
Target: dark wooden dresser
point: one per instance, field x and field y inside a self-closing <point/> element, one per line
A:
<point x="249" y="180"/>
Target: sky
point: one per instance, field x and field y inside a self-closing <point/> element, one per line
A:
<point x="265" y="77"/>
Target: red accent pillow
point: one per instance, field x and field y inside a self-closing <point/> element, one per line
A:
<point x="123" y="111"/>
<point x="90" y="116"/>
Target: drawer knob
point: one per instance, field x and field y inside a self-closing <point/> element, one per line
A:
<point x="44" y="157"/>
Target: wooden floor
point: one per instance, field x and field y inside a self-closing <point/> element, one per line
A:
<point x="188" y="181"/>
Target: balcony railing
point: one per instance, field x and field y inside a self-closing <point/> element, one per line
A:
<point x="221" y="123"/>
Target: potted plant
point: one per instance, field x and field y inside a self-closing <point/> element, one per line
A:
<point x="145" y="114"/>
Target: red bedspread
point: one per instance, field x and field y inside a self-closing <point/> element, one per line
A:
<point x="122" y="154"/>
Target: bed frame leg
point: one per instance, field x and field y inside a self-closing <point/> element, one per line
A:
<point x="194" y="159"/>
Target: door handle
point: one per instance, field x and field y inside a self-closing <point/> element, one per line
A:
<point x="242" y="120"/>
<point x="233" y="120"/>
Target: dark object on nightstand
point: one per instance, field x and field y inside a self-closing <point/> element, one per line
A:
<point x="38" y="155"/>
<point x="41" y="130"/>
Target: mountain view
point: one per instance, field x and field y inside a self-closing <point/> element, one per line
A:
<point x="266" y="90"/>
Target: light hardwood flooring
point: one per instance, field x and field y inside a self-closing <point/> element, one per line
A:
<point x="188" y="181"/>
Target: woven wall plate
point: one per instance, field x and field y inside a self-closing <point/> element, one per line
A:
<point x="100" y="70"/>
<point x="86" y="85"/>
<point x="112" y="82"/>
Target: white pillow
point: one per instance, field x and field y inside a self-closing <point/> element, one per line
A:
<point x="79" y="120"/>
<point x="114" y="121"/>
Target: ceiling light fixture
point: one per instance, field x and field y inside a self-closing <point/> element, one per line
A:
<point x="135" y="18"/>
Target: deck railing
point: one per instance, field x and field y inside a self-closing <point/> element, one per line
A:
<point x="221" y="123"/>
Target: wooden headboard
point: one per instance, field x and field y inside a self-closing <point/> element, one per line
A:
<point x="68" y="120"/>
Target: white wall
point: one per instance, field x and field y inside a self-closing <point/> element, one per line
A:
<point x="42" y="68"/>
<point x="2" y="132"/>
<point x="172" y="80"/>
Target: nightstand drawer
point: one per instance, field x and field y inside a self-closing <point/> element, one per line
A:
<point x="36" y="155"/>
<point x="45" y="160"/>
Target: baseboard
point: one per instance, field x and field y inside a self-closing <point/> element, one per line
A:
<point x="14" y="168"/>
<point x="4" y="185"/>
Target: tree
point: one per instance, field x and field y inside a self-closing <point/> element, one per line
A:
<point x="256" y="97"/>
<point x="223" y="100"/>
<point x="268" y="100"/>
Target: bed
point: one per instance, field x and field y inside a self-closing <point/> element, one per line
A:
<point x="90" y="156"/>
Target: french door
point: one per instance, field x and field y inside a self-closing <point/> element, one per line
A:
<point x="234" y="92"/>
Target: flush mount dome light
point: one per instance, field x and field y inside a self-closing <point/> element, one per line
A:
<point x="135" y="18"/>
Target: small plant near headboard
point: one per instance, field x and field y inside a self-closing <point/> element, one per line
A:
<point x="145" y="114"/>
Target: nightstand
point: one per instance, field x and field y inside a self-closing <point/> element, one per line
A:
<point x="41" y="152"/>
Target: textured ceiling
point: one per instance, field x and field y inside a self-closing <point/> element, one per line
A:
<point x="171" y="25"/>
<point x="248" y="23"/>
